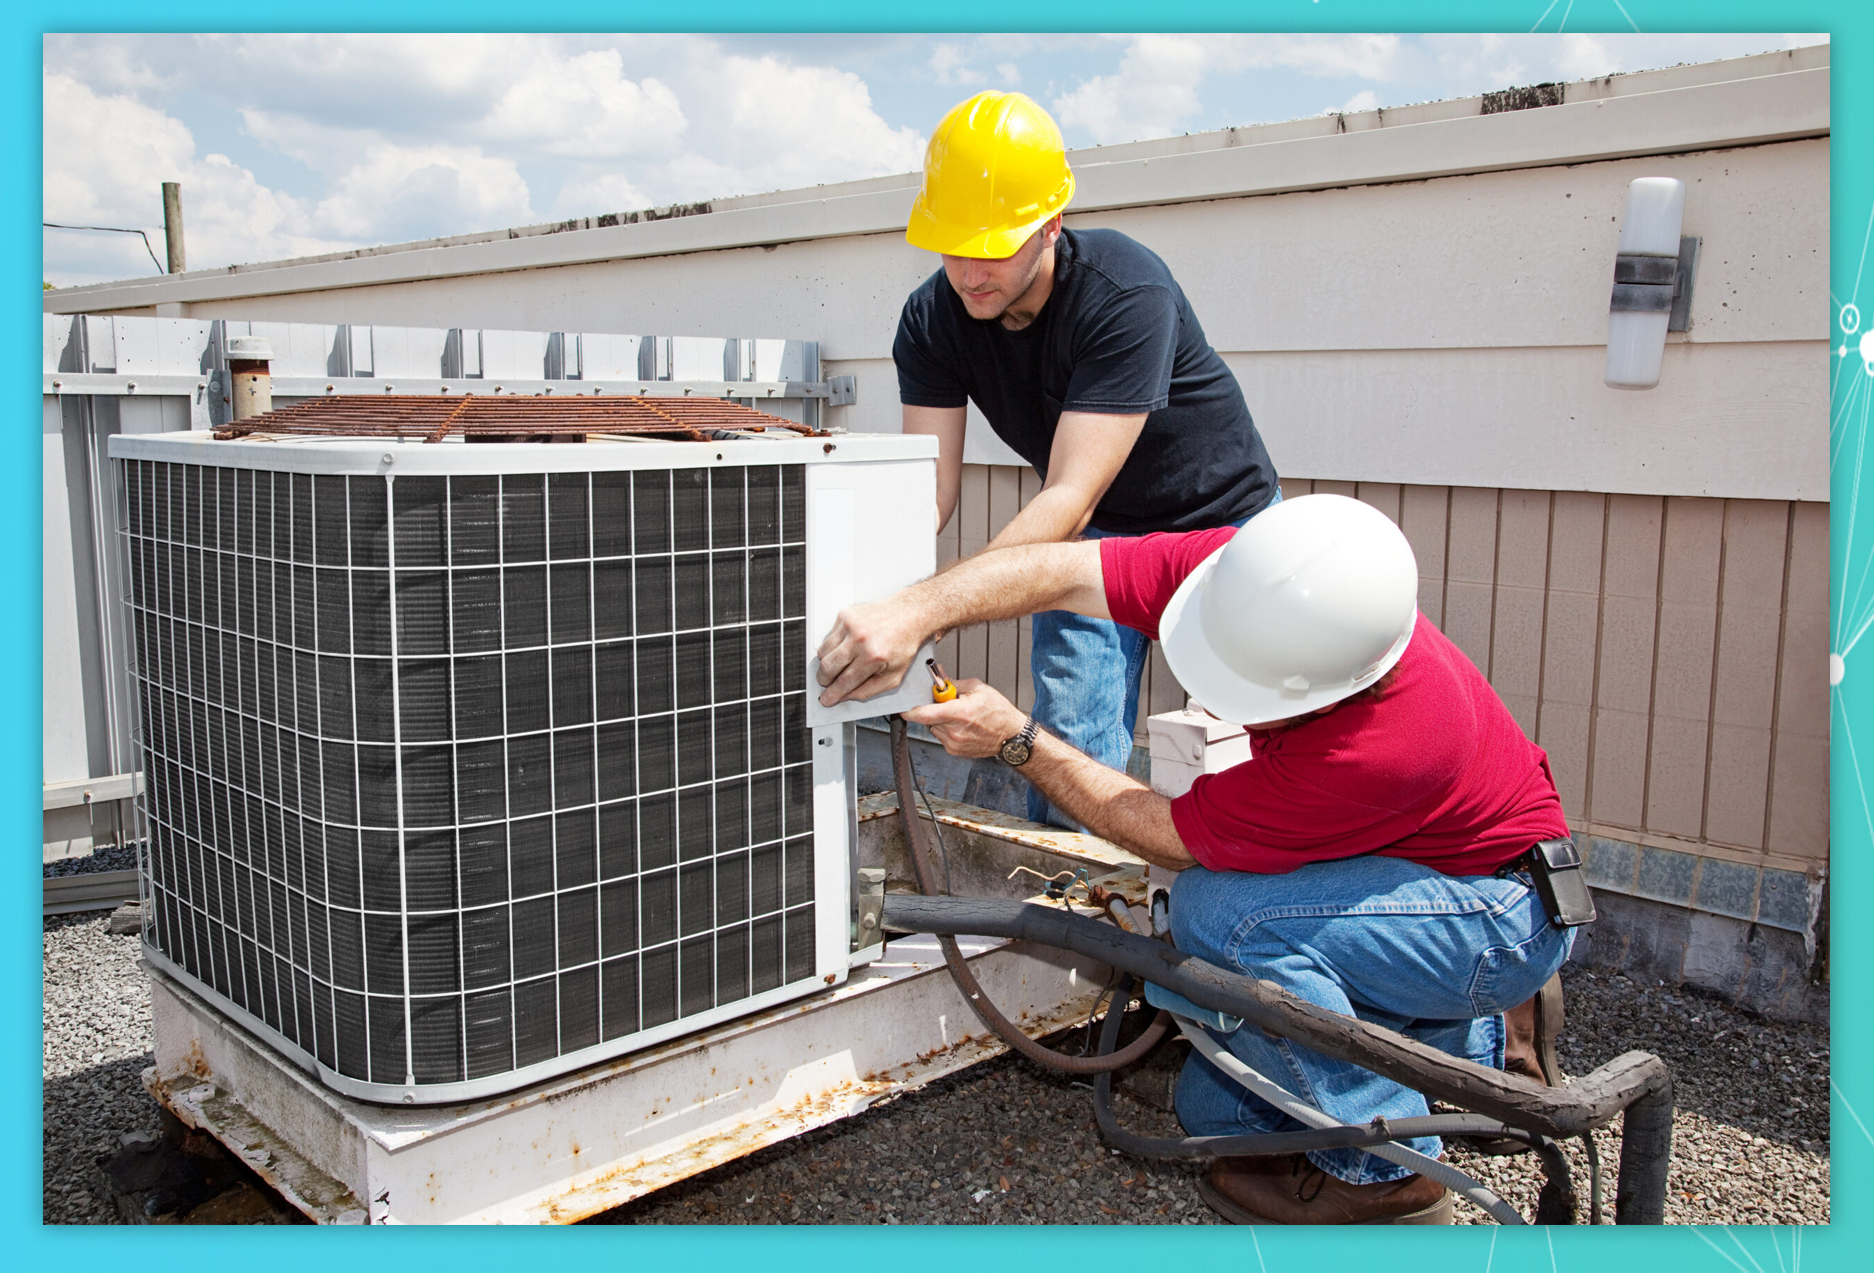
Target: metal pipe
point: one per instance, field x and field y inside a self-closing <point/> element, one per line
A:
<point x="250" y="369"/>
<point x="1590" y="1101"/>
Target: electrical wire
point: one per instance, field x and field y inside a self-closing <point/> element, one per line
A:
<point x="1302" y="1112"/>
<point x="1594" y="1178"/>
<point x="112" y="229"/>
<point x="943" y="850"/>
<point x="1555" y="1204"/>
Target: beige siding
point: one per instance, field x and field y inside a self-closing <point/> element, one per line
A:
<point x="1668" y="653"/>
<point x="1571" y="639"/>
<point x="1682" y="680"/>
<point x="1797" y="822"/>
<point x="1743" y="698"/>
<point x="1623" y="694"/>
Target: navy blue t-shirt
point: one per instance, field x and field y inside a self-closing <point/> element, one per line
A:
<point x="1116" y="337"/>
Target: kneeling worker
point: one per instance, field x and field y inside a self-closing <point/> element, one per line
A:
<point x="1365" y="859"/>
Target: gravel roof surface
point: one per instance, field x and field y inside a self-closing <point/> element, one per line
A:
<point x="106" y="857"/>
<point x="1007" y="1142"/>
<point x="97" y="1040"/>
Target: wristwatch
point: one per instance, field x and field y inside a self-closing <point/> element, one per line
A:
<point x="1016" y="751"/>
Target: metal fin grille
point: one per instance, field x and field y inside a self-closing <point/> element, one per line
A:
<point x="490" y="418"/>
<point x="449" y="776"/>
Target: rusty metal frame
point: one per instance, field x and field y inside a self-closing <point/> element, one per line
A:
<point x="581" y="1143"/>
<point x="508" y="418"/>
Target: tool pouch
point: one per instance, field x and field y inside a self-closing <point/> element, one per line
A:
<point x="1555" y="869"/>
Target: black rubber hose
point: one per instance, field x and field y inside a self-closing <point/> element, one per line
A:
<point x="990" y="1015"/>
<point x="1555" y="1204"/>
<point x="1633" y="1079"/>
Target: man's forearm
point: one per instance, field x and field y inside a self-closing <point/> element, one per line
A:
<point x="872" y="644"/>
<point x="1054" y="514"/>
<point x="1111" y="805"/>
<point x="1011" y="583"/>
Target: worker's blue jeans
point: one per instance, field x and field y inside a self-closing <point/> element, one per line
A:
<point x="1435" y="957"/>
<point x="1087" y="675"/>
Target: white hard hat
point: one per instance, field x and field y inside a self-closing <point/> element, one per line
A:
<point x="1310" y="602"/>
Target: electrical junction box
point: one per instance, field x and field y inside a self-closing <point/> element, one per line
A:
<point x="469" y="765"/>
<point x="1185" y="745"/>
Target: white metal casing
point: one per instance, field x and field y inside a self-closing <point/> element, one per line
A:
<point x="889" y="544"/>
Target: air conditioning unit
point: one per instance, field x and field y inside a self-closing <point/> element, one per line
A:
<point x="472" y="764"/>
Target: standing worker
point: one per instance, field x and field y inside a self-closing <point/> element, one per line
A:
<point x="1394" y="849"/>
<point x="1083" y="354"/>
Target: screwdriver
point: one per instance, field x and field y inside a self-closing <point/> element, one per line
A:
<point x="942" y="689"/>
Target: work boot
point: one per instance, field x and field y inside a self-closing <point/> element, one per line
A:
<point x="1530" y="1030"/>
<point x="1289" y="1189"/>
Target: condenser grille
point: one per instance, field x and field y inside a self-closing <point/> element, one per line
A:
<point x="449" y="776"/>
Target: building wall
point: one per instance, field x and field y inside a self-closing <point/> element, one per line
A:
<point x="1668" y="652"/>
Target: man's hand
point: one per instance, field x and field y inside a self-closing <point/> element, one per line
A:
<point x="1112" y="805"/>
<point x="975" y="723"/>
<point x="868" y="651"/>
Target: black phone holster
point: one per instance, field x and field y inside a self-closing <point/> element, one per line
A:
<point x="1554" y="868"/>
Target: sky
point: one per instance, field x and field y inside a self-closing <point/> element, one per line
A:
<point x="292" y="145"/>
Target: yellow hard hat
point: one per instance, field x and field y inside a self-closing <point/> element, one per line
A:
<point x="996" y="170"/>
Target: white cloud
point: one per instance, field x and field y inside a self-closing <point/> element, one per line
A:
<point x="1582" y="57"/>
<point x="584" y="106"/>
<point x="106" y="157"/>
<point x="591" y="193"/>
<point x="1154" y="90"/>
<point x="1009" y="73"/>
<point x="406" y="192"/>
<point x="948" y="66"/>
<point x="1374" y="57"/>
<point x="776" y="125"/>
<point x="1365" y="100"/>
<point x="318" y="145"/>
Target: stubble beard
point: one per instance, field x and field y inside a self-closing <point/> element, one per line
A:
<point x="1001" y="310"/>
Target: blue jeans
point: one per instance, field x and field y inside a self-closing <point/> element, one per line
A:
<point x="1435" y="957"/>
<point x="1086" y="674"/>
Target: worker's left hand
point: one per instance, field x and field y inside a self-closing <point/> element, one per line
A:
<point x="869" y="650"/>
<point x="975" y="723"/>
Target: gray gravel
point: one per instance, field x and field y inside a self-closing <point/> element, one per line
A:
<point x="1750" y="1144"/>
<point x="104" y="858"/>
<point x="97" y="1040"/>
<point x="1006" y="1142"/>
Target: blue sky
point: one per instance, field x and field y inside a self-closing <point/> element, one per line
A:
<point x="288" y="145"/>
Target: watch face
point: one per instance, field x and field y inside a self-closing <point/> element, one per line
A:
<point x="1016" y="751"/>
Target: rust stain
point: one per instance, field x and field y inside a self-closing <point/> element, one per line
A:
<point x="757" y="1130"/>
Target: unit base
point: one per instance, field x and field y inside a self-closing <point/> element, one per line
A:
<point x="586" y="1142"/>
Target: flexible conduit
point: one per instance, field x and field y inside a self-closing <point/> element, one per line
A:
<point x="980" y="1003"/>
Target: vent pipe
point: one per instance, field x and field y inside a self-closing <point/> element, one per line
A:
<point x="250" y="360"/>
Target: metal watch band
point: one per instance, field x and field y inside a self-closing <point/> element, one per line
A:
<point x="1016" y="751"/>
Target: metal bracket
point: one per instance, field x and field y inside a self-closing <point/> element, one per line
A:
<point x="1657" y="284"/>
<point x="1682" y="284"/>
<point x="842" y="391"/>
<point x="868" y="905"/>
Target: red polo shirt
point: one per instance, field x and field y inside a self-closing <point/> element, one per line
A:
<point x="1433" y="768"/>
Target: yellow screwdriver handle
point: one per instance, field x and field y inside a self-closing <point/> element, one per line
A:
<point x="942" y="689"/>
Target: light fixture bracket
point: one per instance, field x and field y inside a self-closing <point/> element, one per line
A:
<point x="1657" y="284"/>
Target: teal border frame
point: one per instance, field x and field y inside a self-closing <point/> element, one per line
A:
<point x="1746" y="1250"/>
